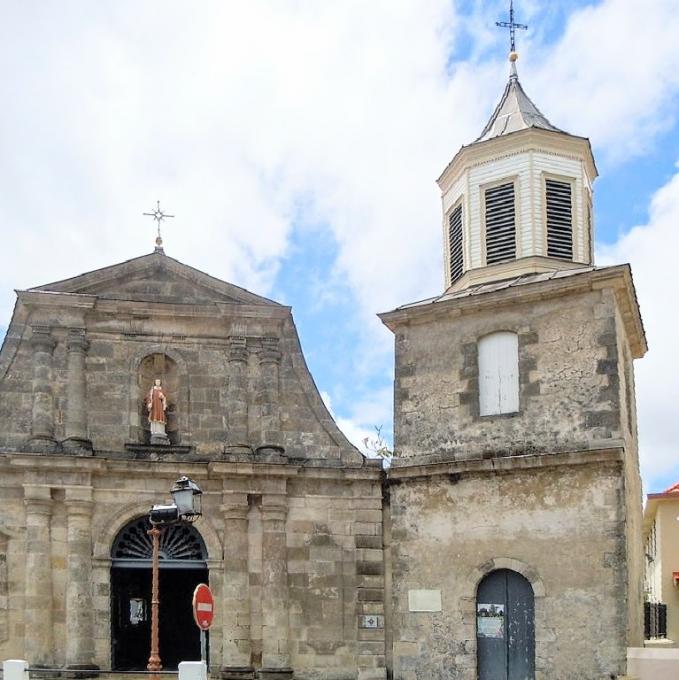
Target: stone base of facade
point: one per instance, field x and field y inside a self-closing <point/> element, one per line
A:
<point x="237" y="673"/>
<point x="275" y="674"/>
<point x="159" y="440"/>
<point x="81" y="670"/>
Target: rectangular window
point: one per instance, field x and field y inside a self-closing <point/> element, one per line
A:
<point x="500" y="224"/>
<point x="498" y="373"/>
<point x="455" y="243"/>
<point x="559" y="219"/>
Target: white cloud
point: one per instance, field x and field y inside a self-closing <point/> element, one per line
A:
<point x="236" y="114"/>
<point x="651" y="249"/>
<point x="613" y="75"/>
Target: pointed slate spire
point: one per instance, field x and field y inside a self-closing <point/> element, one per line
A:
<point x="515" y="111"/>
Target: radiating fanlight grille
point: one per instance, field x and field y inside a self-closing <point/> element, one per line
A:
<point x="500" y="224"/>
<point x="177" y="542"/>
<point x="559" y="219"/>
<point x="455" y="243"/>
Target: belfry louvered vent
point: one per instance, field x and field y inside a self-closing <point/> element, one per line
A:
<point x="500" y="224"/>
<point x="455" y="243"/>
<point x="559" y="219"/>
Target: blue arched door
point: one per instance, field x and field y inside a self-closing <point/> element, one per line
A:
<point x="505" y="627"/>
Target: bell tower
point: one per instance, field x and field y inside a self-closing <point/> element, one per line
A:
<point x="514" y="491"/>
<point x="517" y="200"/>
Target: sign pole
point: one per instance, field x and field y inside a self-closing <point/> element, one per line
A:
<point x="203" y="613"/>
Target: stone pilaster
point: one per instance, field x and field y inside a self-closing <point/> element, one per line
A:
<point x="79" y="603"/>
<point x="42" y="426"/>
<point x="76" y="405"/>
<point x="269" y="362"/>
<point x="38" y="636"/>
<point x="275" y="633"/>
<point x="237" y="436"/>
<point x="236" y="647"/>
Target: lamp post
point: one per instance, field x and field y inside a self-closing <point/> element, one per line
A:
<point x="186" y="508"/>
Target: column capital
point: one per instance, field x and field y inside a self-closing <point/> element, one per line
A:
<point x="270" y="354"/>
<point x="41" y="338"/>
<point x="38" y="499"/>
<point x="77" y="340"/>
<point x="79" y="508"/>
<point x="238" y="349"/>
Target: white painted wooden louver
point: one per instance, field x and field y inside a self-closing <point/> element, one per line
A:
<point x="498" y="373"/>
<point x="455" y="243"/>
<point x="500" y="224"/>
<point x="559" y="219"/>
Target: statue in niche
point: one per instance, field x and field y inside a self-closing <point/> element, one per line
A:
<point x="156" y="405"/>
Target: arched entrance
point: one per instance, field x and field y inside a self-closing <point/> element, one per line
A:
<point x="182" y="567"/>
<point x="505" y="627"/>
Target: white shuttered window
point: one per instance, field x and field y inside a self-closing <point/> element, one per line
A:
<point x="498" y="373"/>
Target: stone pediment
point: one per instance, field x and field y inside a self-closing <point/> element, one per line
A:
<point x="155" y="278"/>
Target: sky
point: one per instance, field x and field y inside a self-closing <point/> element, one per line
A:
<point x="297" y="143"/>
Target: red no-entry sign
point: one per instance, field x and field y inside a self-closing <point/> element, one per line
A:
<point x="203" y="606"/>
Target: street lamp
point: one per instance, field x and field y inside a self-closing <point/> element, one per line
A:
<point x="187" y="507"/>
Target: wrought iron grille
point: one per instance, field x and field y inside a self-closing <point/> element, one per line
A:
<point x="177" y="542"/>
<point x="655" y="620"/>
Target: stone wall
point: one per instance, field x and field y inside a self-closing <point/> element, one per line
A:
<point x="71" y="368"/>
<point x="561" y="525"/>
<point x="568" y="376"/>
<point x="294" y="557"/>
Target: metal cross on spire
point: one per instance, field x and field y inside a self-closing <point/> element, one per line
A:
<point x="511" y="25"/>
<point x="158" y="215"/>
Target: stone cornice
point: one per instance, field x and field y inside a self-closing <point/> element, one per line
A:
<point x="97" y="466"/>
<point x="50" y="299"/>
<point x="417" y="470"/>
<point x="618" y="278"/>
<point x="532" y="139"/>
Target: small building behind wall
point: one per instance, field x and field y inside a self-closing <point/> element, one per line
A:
<point x="661" y="542"/>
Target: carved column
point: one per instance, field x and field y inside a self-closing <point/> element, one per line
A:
<point x="38" y="637"/>
<point x="237" y="395"/>
<point x="42" y="428"/>
<point x="275" y="636"/>
<point x="236" y="648"/>
<point x="79" y="604"/>
<point x="76" y="406"/>
<point x="269" y="361"/>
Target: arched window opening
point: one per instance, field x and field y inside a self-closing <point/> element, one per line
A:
<point x="181" y="546"/>
<point x="498" y="373"/>
<point x="505" y="627"/>
<point x="162" y="367"/>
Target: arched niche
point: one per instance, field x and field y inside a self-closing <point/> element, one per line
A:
<point x="149" y="363"/>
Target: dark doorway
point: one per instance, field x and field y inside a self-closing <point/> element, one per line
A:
<point x="505" y="627"/>
<point x="182" y="568"/>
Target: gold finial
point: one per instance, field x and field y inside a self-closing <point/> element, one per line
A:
<point x="513" y="56"/>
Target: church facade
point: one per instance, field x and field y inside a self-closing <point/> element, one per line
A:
<point x="503" y="541"/>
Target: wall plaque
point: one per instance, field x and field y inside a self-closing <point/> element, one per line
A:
<point x="424" y="600"/>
